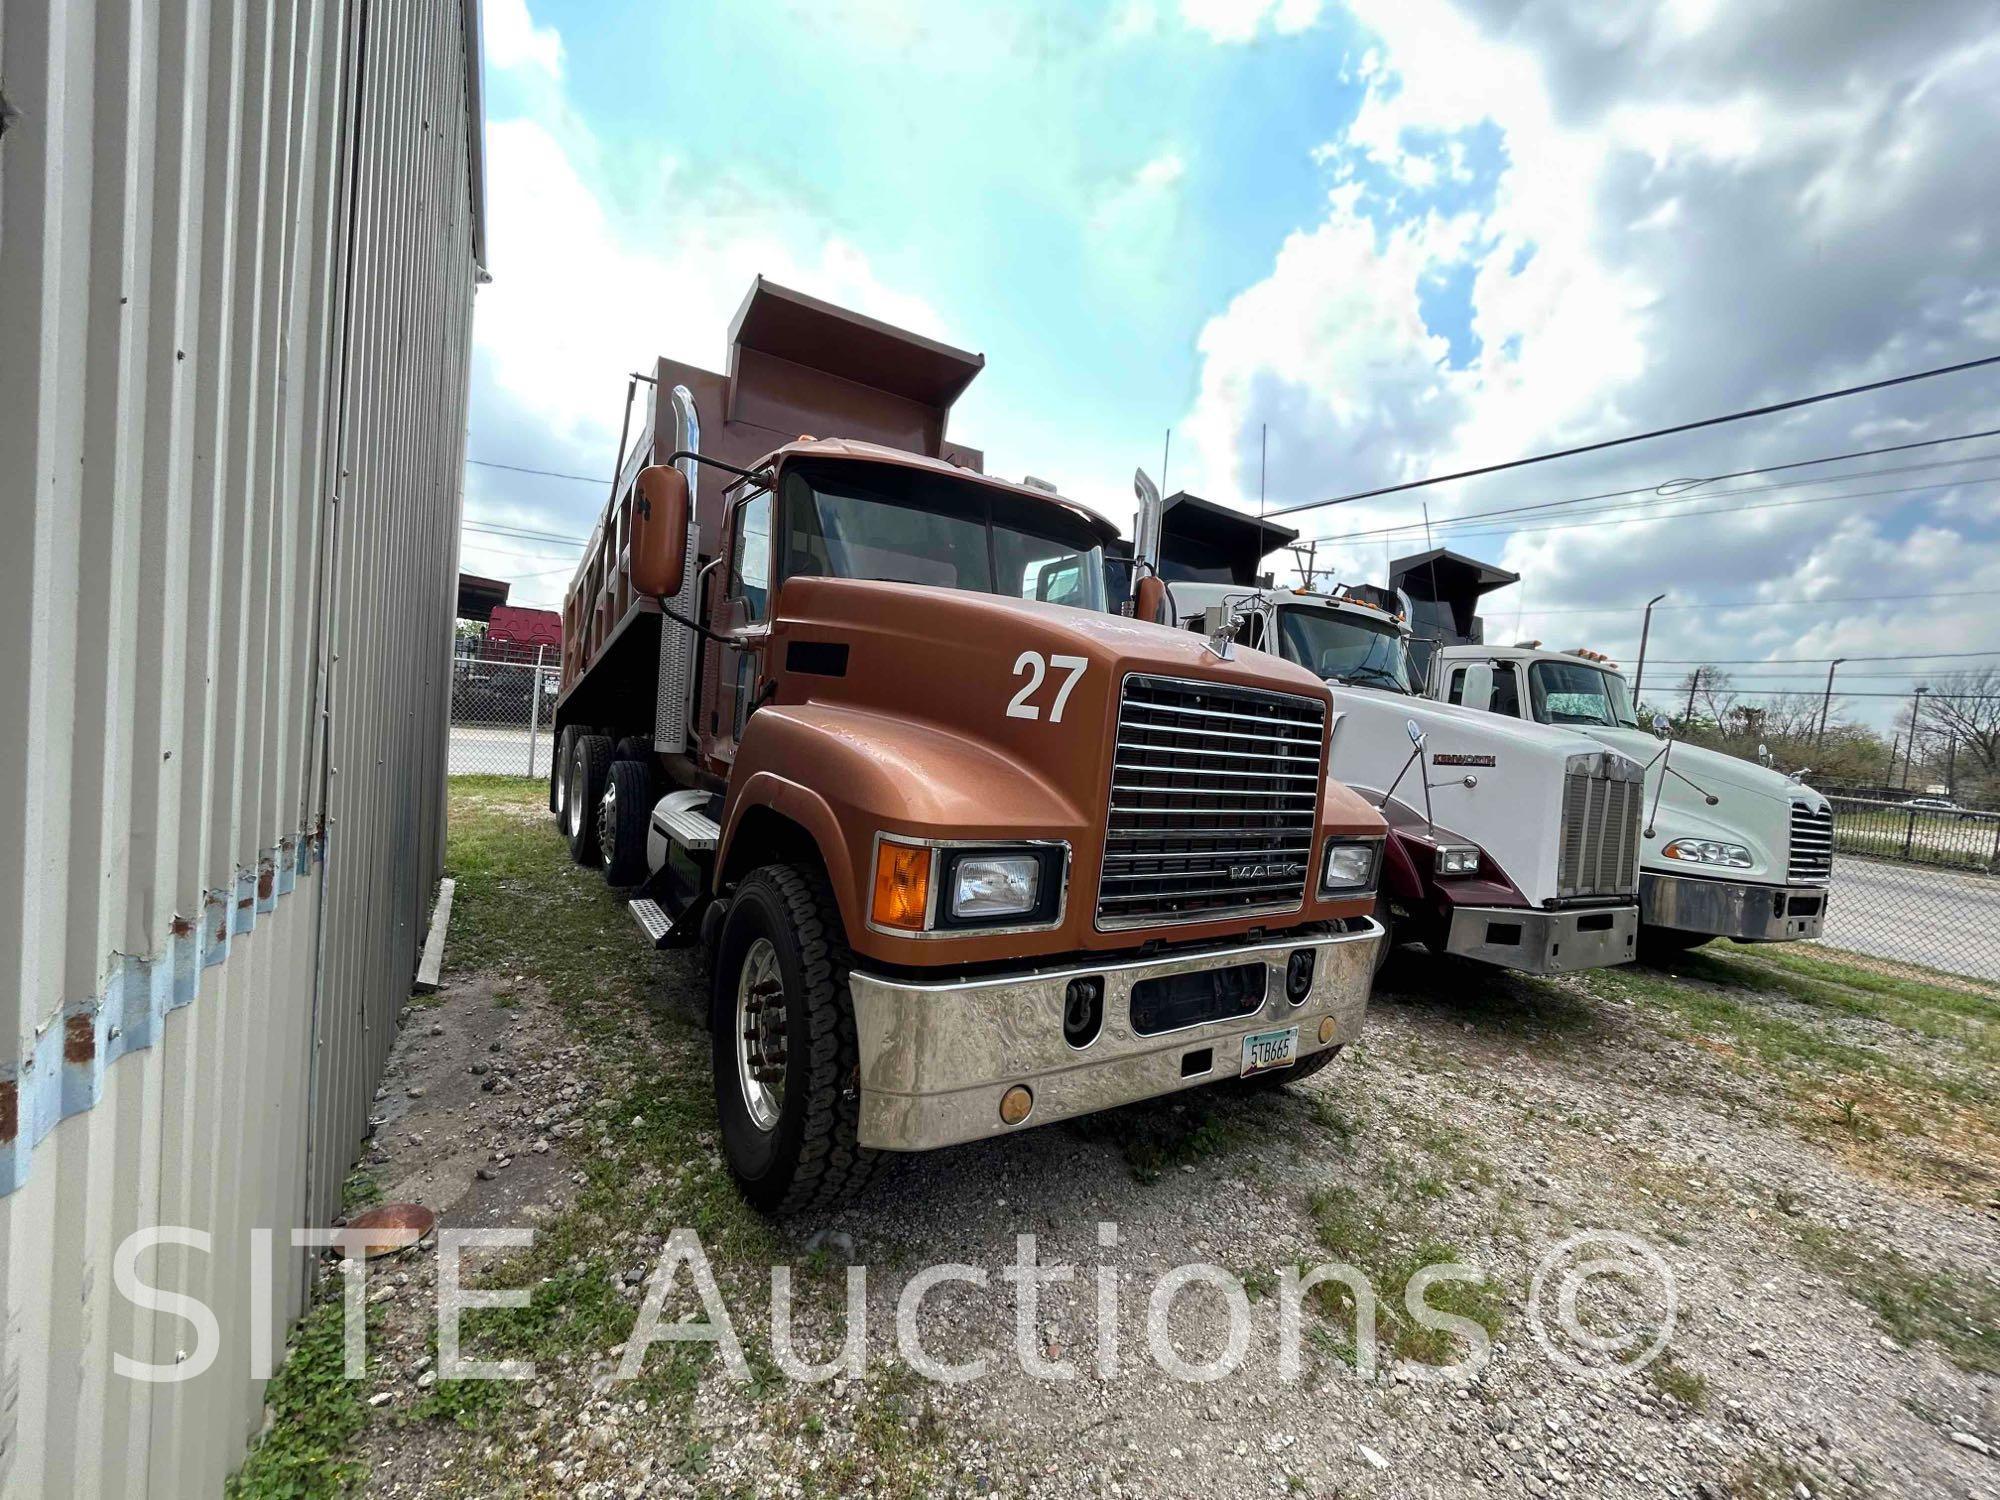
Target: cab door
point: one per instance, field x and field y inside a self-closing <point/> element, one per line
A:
<point x="742" y="619"/>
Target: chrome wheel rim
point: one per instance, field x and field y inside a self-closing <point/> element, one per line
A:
<point x="607" y="820"/>
<point x="760" y="1035"/>
<point x="572" y="796"/>
<point x="562" y="799"/>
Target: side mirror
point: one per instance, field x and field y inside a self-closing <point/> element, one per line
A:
<point x="1149" y="601"/>
<point x="1416" y="735"/>
<point x="659" y="532"/>
<point x="1663" y="726"/>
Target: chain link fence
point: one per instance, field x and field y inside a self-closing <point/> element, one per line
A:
<point x="1915" y="883"/>
<point x="1911" y="883"/>
<point x="500" y="715"/>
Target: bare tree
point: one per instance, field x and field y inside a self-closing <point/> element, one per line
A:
<point x="1964" y="706"/>
<point x="1706" y="692"/>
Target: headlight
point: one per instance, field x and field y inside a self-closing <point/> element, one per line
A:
<point x="1350" y="866"/>
<point x="995" y="885"/>
<point x="1708" y="852"/>
<point x="1457" y="859"/>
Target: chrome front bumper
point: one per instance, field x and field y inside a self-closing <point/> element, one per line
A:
<point x="1732" y="909"/>
<point x="936" y="1058"/>
<point x="1545" y="942"/>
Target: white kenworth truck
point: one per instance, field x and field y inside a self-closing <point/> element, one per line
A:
<point x="1727" y="849"/>
<point x="1509" y="844"/>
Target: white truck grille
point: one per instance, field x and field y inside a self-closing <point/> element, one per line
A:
<point x="1600" y="832"/>
<point x="1214" y="803"/>
<point x="1812" y="845"/>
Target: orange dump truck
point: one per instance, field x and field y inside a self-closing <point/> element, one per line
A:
<point x="971" y="850"/>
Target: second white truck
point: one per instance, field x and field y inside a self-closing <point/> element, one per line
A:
<point x="1728" y="848"/>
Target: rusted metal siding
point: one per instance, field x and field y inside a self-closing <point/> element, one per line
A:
<point x="238" y="245"/>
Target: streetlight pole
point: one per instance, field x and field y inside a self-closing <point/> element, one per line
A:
<point x="1916" y="709"/>
<point x="1645" y="629"/>
<point x="1819" y="740"/>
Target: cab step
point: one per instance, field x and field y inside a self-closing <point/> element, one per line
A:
<point x="685" y="817"/>
<point x="652" y="919"/>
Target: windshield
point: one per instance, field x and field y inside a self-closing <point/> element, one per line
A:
<point x="1574" y="693"/>
<point x="1345" y="648"/>
<point x="899" y="525"/>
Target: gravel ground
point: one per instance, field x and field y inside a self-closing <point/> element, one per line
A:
<point x="1831" y="1249"/>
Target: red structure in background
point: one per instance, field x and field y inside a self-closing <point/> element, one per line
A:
<point x="514" y="633"/>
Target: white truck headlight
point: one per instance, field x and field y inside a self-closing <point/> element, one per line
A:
<point x="1708" y="852"/>
<point x="995" y="885"/>
<point x="1457" y="859"/>
<point x="1350" y="866"/>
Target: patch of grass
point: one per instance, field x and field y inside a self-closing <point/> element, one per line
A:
<point x="1388" y="1246"/>
<point x="1258" y="1283"/>
<point x="1160" y="1135"/>
<point x="1958" y="1311"/>
<point x="902" y="1447"/>
<point x="359" y="1191"/>
<point x="1762" y="1477"/>
<point x="1728" y="1006"/>
<point x="1326" y="1113"/>
<point x="317" y="1413"/>
<point x="1679" y="1382"/>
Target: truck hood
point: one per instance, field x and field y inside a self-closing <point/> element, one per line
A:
<point x="1041" y="684"/>
<point x="1712" y="768"/>
<point x="1494" y="781"/>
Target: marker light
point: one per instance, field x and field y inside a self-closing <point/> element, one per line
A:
<point x="902" y="885"/>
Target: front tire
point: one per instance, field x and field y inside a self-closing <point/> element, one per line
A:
<point x="785" y="1054"/>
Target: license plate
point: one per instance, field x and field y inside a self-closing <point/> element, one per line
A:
<point x="1265" y="1050"/>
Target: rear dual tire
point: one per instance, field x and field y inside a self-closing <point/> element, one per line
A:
<point x="621" y="817"/>
<point x="589" y="766"/>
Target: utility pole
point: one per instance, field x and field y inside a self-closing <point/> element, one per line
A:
<point x="1916" y="711"/>
<point x="1819" y="740"/>
<point x="1694" y="681"/>
<point x="1645" y="629"/>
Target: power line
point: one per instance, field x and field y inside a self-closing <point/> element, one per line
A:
<point x="1781" y="661"/>
<point x="1657" y="493"/>
<point x="1726" y="510"/>
<point x="1640" y="437"/>
<point x="487" y="463"/>
<point x="1620" y="609"/>
<point x="1818" y="692"/>
<point x="519" y="533"/>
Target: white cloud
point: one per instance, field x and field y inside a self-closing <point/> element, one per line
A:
<point x="1132" y="229"/>
<point x="513" y="40"/>
<point x="1697" y="209"/>
<point x="1241" y="20"/>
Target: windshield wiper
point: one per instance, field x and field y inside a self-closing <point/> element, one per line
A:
<point x="1362" y="675"/>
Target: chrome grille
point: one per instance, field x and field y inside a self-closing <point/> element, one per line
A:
<point x="1600" y="833"/>
<point x="1214" y="803"/>
<point x="1812" y="845"/>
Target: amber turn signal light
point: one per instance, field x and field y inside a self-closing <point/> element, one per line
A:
<point x="902" y="886"/>
<point x="1015" y="1104"/>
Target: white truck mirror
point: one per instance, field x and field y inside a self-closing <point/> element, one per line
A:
<point x="1477" y="689"/>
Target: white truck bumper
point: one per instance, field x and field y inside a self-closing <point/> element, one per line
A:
<point x="936" y="1058"/>
<point x="1537" y="941"/>
<point x="1731" y="908"/>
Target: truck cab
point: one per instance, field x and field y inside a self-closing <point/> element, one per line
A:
<point x="1509" y="844"/>
<point x="1728" y="849"/>
<point x="971" y="852"/>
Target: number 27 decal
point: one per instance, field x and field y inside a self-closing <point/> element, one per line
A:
<point x="1036" y="666"/>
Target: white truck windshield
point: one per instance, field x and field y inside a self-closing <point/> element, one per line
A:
<point x="1575" y="693"/>
<point x="1344" y="648"/>
<point x="898" y="525"/>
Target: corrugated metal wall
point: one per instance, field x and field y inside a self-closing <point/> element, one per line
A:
<point x="238" y="244"/>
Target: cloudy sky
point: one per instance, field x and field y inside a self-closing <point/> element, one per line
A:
<point x="1384" y="239"/>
